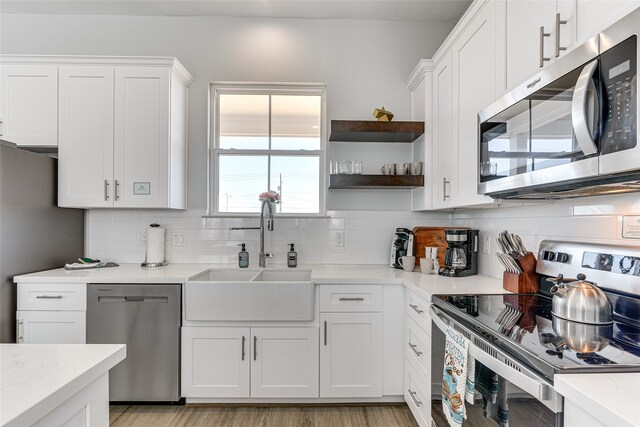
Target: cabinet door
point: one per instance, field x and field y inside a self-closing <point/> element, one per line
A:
<point x="284" y="362"/>
<point x="524" y="19"/>
<point x="474" y="60"/>
<point x="51" y="327"/>
<point x="593" y="16"/>
<point x="442" y="125"/>
<point x="85" y="156"/>
<point x="351" y="355"/>
<point x="141" y="137"/>
<point x="215" y="362"/>
<point x="29" y="105"/>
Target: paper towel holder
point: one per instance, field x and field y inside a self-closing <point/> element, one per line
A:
<point x="146" y="264"/>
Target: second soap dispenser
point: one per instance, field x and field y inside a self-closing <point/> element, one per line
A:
<point x="243" y="257"/>
<point x="292" y="257"/>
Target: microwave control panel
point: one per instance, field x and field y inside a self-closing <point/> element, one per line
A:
<point x="619" y="79"/>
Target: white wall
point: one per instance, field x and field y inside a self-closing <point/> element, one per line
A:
<point x="590" y="219"/>
<point x="363" y="62"/>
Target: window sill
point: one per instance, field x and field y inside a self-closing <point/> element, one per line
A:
<point x="257" y="215"/>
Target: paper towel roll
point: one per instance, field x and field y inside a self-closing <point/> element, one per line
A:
<point x="155" y="245"/>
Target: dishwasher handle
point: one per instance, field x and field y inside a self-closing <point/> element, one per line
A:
<point x="148" y="299"/>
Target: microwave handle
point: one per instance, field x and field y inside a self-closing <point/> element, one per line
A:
<point x="579" y="107"/>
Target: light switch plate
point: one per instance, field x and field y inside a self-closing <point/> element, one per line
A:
<point x="143" y="237"/>
<point x="486" y="245"/>
<point x="177" y="238"/>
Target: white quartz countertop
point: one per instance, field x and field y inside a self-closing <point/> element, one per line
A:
<point x="613" y="399"/>
<point x="37" y="378"/>
<point x="423" y="284"/>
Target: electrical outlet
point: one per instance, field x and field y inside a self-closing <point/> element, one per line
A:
<point x="486" y="245"/>
<point x="339" y="239"/>
<point x="177" y="238"/>
<point x="143" y="237"/>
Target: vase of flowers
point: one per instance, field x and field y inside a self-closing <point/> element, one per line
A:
<point x="273" y="196"/>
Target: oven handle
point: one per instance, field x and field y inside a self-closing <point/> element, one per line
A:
<point x="579" y="107"/>
<point x="534" y="386"/>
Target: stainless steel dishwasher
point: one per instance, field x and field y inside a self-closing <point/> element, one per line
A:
<point x="145" y="317"/>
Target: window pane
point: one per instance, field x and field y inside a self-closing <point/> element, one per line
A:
<point x="296" y="178"/>
<point x="242" y="179"/>
<point x="244" y="121"/>
<point x="295" y="122"/>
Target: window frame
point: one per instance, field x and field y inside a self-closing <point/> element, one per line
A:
<point x="214" y="150"/>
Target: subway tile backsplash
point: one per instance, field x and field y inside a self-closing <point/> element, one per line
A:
<point x="118" y="236"/>
<point x="115" y="235"/>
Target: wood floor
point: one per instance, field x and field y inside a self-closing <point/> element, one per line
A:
<point x="340" y="416"/>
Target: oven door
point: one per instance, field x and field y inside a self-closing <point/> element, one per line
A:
<point x="530" y="399"/>
<point x="545" y="131"/>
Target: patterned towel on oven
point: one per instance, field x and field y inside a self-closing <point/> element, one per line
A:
<point x="493" y="389"/>
<point x="454" y="377"/>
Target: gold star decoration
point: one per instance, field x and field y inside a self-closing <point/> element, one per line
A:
<point x="382" y="115"/>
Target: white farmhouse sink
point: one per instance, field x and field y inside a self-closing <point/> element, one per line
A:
<point x="250" y="295"/>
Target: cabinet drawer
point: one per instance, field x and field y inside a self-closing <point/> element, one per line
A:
<point x="418" y="310"/>
<point x="417" y="346"/>
<point x="417" y="394"/>
<point x="350" y="298"/>
<point x="52" y="296"/>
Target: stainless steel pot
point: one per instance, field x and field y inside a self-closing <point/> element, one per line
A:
<point x="582" y="337"/>
<point x="580" y="301"/>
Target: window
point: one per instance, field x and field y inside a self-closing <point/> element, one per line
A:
<point x="267" y="138"/>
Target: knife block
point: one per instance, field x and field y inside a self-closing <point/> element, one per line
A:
<point x="527" y="282"/>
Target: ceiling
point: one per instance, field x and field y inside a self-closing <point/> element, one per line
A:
<point x="399" y="10"/>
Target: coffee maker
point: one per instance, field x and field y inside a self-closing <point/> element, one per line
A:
<point x="401" y="245"/>
<point x="461" y="256"/>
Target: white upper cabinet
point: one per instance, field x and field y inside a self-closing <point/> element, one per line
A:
<point x="593" y="16"/>
<point x="85" y="149"/>
<point x="141" y="137"/>
<point x="526" y="46"/>
<point x="442" y="162"/>
<point x="29" y="105"/>
<point x="475" y="58"/>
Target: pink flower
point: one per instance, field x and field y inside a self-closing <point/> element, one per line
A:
<point x="271" y="195"/>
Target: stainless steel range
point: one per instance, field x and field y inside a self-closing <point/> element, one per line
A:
<point x="519" y="338"/>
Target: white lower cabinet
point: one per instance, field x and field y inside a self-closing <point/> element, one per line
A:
<point x="51" y="327"/>
<point x="351" y="355"/>
<point x="241" y="362"/>
<point x="284" y="362"/>
<point x="215" y="362"/>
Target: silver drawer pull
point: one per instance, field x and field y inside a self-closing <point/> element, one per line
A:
<point x="243" y="341"/>
<point x="413" y="397"/>
<point x="352" y="299"/>
<point x="416" y="309"/>
<point x="49" y="297"/>
<point x="415" y="349"/>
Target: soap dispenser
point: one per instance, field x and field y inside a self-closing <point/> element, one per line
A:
<point x="292" y="257"/>
<point x="243" y="257"/>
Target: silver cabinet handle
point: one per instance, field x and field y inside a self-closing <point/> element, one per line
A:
<point x="243" y="341"/>
<point x="559" y="22"/>
<point x="415" y="349"/>
<point x="106" y="190"/>
<point x="416" y="309"/>
<point x="413" y="397"/>
<point x="543" y="58"/>
<point x="325" y="332"/>
<point x="579" y="106"/>
<point x="255" y="347"/>
<point x="444" y="189"/>
<point x="117" y="195"/>
<point x="19" y="331"/>
<point x="351" y="299"/>
<point x="49" y="297"/>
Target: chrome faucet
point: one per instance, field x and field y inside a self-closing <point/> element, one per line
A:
<point x="262" y="257"/>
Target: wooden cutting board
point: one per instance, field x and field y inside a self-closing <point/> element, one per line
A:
<point x="432" y="236"/>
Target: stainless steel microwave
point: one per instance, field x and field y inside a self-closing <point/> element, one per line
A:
<point x="571" y="130"/>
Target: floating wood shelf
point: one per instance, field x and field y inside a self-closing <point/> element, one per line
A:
<point x="341" y="182"/>
<point x="373" y="131"/>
